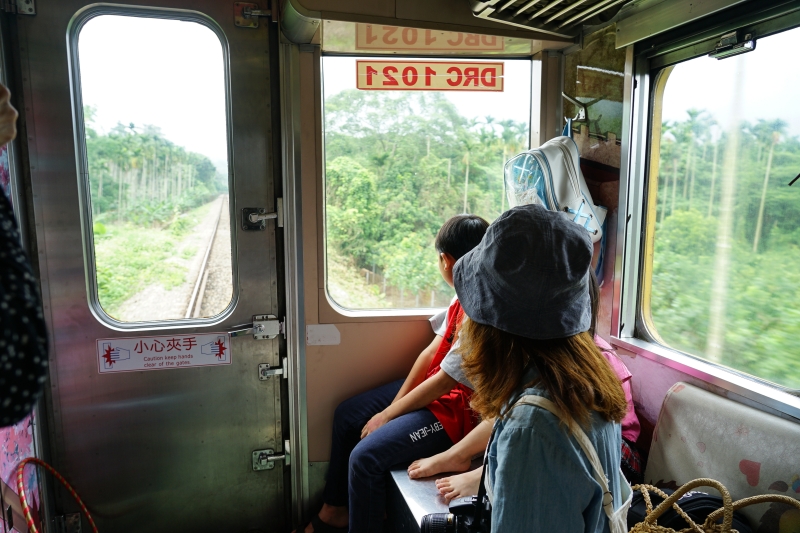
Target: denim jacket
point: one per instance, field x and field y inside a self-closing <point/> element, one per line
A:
<point x="541" y="479"/>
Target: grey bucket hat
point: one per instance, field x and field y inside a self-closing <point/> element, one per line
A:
<point x="529" y="275"/>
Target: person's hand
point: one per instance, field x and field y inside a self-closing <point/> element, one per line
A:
<point x="8" y="117"/>
<point x="374" y="423"/>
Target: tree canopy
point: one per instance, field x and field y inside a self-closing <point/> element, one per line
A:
<point x="762" y="323"/>
<point x="139" y="176"/>
<point x="397" y="167"/>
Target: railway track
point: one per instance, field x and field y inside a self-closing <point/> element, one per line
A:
<point x="195" y="305"/>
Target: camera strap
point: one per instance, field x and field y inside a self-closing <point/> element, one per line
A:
<point x="483" y="517"/>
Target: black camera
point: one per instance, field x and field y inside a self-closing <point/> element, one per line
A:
<point x="467" y="515"/>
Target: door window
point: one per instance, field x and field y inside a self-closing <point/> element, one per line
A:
<point x="156" y="156"/>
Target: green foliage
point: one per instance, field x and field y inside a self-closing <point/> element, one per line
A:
<point x="396" y="167"/>
<point x="348" y="288"/>
<point x="411" y="265"/>
<point x="129" y="259"/>
<point x="687" y="233"/>
<point x="137" y="175"/>
<point x="147" y="194"/>
<point x="351" y="197"/>
<point x="762" y="321"/>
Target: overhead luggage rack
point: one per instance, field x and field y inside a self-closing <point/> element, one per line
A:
<point x="561" y="18"/>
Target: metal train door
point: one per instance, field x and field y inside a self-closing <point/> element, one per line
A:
<point x="149" y="256"/>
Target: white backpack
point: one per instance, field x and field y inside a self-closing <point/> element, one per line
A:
<point x="551" y="176"/>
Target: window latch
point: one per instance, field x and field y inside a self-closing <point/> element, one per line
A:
<point x="265" y="459"/>
<point x="246" y="15"/>
<point x="264" y="327"/>
<point x="730" y="45"/>
<point x="19" y="7"/>
<point x="255" y="218"/>
<point x="265" y="371"/>
<point x="250" y="12"/>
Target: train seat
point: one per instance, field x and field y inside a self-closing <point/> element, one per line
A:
<point x="701" y="434"/>
<point x="408" y="500"/>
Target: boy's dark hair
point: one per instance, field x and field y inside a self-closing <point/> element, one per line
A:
<point x="460" y="234"/>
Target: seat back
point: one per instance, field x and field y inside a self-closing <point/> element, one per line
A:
<point x="700" y="434"/>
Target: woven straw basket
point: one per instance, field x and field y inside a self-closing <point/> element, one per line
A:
<point x="709" y="526"/>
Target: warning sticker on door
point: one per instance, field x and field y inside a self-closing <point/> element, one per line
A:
<point x="132" y="354"/>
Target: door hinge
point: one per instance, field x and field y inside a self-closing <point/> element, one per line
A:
<point x="246" y="15"/>
<point x="265" y="371"/>
<point x="264" y="327"/>
<point x="265" y="459"/>
<point x="19" y="7"/>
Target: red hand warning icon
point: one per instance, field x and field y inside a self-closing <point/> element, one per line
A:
<point x="113" y="354"/>
<point x="216" y="348"/>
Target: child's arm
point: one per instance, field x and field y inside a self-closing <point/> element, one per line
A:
<point x="475" y="441"/>
<point x="420" y="368"/>
<point x="428" y="391"/>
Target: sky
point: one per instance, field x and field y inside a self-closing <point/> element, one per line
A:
<point x="770" y="84"/>
<point x="170" y="74"/>
<point x="166" y="73"/>
<point x="339" y="73"/>
<point x="174" y="79"/>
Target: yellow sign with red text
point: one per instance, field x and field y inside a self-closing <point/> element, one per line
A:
<point x="429" y="76"/>
<point x="379" y="37"/>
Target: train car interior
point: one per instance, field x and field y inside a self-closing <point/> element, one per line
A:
<point x="231" y="207"/>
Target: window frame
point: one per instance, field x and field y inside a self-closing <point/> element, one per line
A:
<point x="397" y="312"/>
<point x="647" y="69"/>
<point x="76" y="24"/>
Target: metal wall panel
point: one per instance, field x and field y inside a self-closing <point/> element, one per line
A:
<point x="641" y="20"/>
<point x="449" y="15"/>
<point x="170" y="450"/>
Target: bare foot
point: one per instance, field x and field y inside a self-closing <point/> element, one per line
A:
<point x="460" y="485"/>
<point x="441" y="462"/>
<point x="334" y="516"/>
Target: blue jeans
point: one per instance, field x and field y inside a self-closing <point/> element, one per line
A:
<point x="358" y="468"/>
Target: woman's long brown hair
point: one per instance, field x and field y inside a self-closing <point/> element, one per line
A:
<point x="572" y="370"/>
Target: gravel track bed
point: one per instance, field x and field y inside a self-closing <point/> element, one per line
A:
<point x="156" y="302"/>
<point x="218" y="291"/>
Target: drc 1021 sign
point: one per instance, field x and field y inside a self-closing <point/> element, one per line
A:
<point x="429" y="76"/>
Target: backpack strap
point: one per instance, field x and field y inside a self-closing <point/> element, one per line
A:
<point x="567" y="132"/>
<point x="583" y="441"/>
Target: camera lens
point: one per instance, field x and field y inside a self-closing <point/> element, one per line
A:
<point x="438" y="523"/>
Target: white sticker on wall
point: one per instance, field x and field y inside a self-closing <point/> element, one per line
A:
<point x="322" y="335"/>
<point x="132" y="354"/>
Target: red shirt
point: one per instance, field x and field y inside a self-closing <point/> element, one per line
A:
<point x="452" y="409"/>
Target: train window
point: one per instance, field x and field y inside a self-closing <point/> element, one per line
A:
<point x="722" y="281"/>
<point x="410" y="144"/>
<point x="156" y="145"/>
